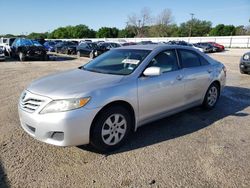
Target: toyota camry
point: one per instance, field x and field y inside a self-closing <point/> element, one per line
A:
<point x="103" y="101"/>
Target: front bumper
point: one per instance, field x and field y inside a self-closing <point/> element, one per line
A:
<point x="2" y="57"/>
<point x="62" y="129"/>
<point x="245" y="66"/>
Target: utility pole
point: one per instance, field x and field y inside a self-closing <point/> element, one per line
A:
<point x="139" y="29"/>
<point x="191" y="25"/>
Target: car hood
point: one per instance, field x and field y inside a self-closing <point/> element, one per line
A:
<point x="72" y="84"/>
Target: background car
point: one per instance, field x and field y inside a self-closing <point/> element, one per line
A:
<point x="66" y="47"/>
<point x="27" y="48"/>
<point x="129" y="43"/>
<point x="50" y="46"/>
<point x="2" y="55"/>
<point x="184" y="43"/>
<point x="245" y="63"/>
<point x="220" y="47"/>
<point x="146" y="42"/>
<point x="208" y="48"/>
<point x="104" y="47"/>
<point x="6" y="43"/>
<point x="86" y="49"/>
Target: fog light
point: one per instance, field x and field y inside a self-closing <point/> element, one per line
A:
<point x="59" y="136"/>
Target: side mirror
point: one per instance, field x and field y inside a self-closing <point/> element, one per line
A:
<point x="152" y="71"/>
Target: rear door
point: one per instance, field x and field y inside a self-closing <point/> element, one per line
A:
<point x="197" y="75"/>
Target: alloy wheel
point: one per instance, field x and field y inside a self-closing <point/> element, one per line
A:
<point x="114" y="129"/>
<point x="212" y="96"/>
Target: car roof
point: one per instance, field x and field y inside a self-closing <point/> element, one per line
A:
<point x="154" y="46"/>
<point x="141" y="47"/>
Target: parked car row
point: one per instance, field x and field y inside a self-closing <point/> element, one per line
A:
<point x="91" y="49"/>
<point x="27" y="48"/>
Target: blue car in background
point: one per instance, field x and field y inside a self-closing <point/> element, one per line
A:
<point x="50" y="46"/>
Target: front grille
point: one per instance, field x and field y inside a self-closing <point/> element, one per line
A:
<point x="31" y="104"/>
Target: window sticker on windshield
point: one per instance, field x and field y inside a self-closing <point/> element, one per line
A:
<point x="131" y="61"/>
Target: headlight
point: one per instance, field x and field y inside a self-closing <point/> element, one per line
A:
<point x="64" y="105"/>
<point x="246" y="57"/>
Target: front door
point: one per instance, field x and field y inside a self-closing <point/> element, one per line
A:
<point x="160" y="94"/>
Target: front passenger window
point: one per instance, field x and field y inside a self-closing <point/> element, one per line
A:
<point x="165" y="60"/>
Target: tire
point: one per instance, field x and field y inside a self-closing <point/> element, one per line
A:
<point x="21" y="56"/>
<point x="78" y="54"/>
<point x="45" y="58"/>
<point x="211" y="97"/>
<point x="106" y="135"/>
<point x="91" y="55"/>
<point x="243" y="72"/>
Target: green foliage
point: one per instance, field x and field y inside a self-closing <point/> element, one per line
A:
<point x="223" y="30"/>
<point x="162" y="30"/>
<point x="107" y="32"/>
<point x="38" y="35"/>
<point x="78" y="31"/>
<point x="197" y="27"/>
<point x="126" y="33"/>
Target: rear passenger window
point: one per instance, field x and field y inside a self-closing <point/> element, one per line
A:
<point x="203" y="61"/>
<point x="189" y="59"/>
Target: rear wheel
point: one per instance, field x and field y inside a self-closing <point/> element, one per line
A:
<point x="78" y="54"/>
<point x="21" y="56"/>
<point x="211" y="96"/>
<point x="91" y="55"/>
<point x="111" y="129"/>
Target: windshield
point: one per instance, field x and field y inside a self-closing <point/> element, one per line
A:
<point x="92" y="45"/>
<point x="36" y="43"/>
<point x="119" y="61"/>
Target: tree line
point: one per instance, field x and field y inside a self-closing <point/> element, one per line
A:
<point x="146" y="25"/>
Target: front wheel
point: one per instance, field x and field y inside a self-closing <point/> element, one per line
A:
<point x="211" y="96"/>
<point x="111" y="129"/>
<point x="243" y="72"/>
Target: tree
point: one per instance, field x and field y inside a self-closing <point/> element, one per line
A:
<point x="107" y="32"/>
<point x="38" y="35"/>
<point x="223" y="30"/>
<point x="138" y="23"/>
<point x="78" y="31"/>
<point x="126" y="33"/>
<point x="82" y="31"/>
<point x="162" y="25"/>
<point x="241" y="30"/>
<point x="199" y="28"/>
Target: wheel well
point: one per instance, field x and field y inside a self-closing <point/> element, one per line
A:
<point x="217" y="83"/>
<point x="124" y="104"/>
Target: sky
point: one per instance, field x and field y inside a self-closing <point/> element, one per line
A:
<point x="25" y="16"/>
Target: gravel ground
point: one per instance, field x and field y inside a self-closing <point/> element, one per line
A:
<point x="195" y="148"/>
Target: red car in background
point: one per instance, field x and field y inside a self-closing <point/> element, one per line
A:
<point x="221" y="47"/>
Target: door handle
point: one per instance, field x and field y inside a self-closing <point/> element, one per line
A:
<point x="179" y="77"/>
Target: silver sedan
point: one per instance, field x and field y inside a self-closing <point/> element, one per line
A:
<point x="102" y="102"/>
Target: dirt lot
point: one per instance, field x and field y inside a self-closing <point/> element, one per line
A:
<point x="195" y="148"/>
